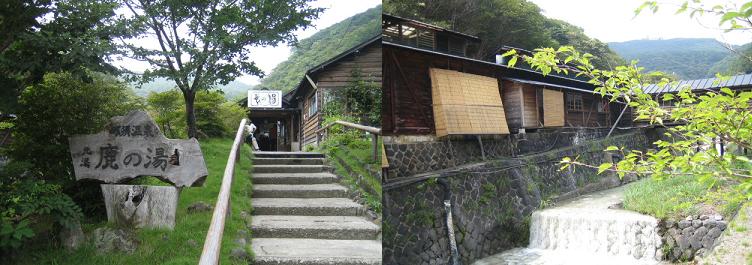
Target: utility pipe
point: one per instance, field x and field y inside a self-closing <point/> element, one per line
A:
<point x="455" y="255"/>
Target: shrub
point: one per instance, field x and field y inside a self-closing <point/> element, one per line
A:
<point x="215" y="117"/>
<point x="168" y="110"/>
<point x="207" y="112"/>
<point x="230" y="114"/>
<point x="60" y="106"/>
<point x="24" y="198"/>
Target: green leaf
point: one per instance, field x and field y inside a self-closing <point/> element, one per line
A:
<point x="604" y="167"/>
<point x="728" y="16"/>
<point x="509" y="53"/>
<point x="512" y="61"/>
<point x="612" y="148"/>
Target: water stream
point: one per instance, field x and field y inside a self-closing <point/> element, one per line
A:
<point x="587" y="231"/>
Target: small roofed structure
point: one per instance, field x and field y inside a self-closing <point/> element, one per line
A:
<point x="426" y="36"/>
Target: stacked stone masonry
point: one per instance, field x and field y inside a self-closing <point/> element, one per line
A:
<point x="693" y="236"/>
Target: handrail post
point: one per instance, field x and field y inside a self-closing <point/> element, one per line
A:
<point x="375" y="140"/>
<point x="222" y="211"/>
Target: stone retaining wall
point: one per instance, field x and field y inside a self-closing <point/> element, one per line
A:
<point x="410" y="155"/>
<point x="492" y="202"/>
<point x="693" y="236"/>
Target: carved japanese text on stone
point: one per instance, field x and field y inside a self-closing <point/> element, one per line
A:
<point x="132" y="146"/>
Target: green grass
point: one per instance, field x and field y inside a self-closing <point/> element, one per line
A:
<point x="172" y="247"/>
<point x="355" y="156"/>
<point x="677" y="197"/>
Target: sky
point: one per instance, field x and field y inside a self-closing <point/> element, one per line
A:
<point x="266" y="58"/>
<point x="614" y="20"/>
<point x="606" y="20"/>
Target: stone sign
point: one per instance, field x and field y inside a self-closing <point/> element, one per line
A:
<point x="132" y="146"/>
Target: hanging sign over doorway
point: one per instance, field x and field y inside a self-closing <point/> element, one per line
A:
<point x="264" y="99"/>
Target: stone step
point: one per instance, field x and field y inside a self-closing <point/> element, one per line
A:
<point x="287" y="155"/>
<point x="288" y="161"/>
<point x="310" y="207"/>
<point x="299" y="191"/>
<point x="296" y="251"/>
<point x="289" y="168"/>
<point x="293" y="178"/>
<point x="321" y="227"/>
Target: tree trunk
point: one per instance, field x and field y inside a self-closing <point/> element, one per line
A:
<point x="190" y="115"/>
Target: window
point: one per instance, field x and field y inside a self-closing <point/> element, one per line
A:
<point x="313" y="104"/>
<point x="574" y="102"/>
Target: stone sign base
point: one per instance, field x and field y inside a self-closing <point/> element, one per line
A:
<point x="141" y="206"/>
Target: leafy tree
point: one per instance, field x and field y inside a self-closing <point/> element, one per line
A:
<point x="704" y="118"/>
<point x="73" y="36"/>
<point x="203" y="43"/>
<point x="17" y="17"/>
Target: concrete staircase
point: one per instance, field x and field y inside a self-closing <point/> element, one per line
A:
<point x="302" y="216"/>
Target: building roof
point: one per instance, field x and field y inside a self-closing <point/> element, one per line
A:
<point x="429" y="26"/>
<point x="733" y="82"/>
<point x="515" y="73"/>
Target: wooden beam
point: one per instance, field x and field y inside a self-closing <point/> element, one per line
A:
<point x="313" y="84"/>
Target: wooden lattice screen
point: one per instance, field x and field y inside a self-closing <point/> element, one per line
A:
<point x="553" y="108"/>
<point x="466" y="104"/>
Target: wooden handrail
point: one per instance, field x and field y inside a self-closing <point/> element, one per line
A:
<point x="369" y="129"/>
<point x="375" y="132"/>
<point x="213" y="241"/>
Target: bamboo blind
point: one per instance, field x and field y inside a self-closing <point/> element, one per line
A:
<point x="466" y="104"/>
<point x="553" y="108"/>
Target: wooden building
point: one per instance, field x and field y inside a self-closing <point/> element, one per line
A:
<point x="321" y="83"/>
<point x="294" y="125"/>
<point x="530" y="100"/>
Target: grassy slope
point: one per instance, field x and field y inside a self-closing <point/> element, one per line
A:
<point x="355" y="157"/>
<point x="172" y="247"/>
<point x="678" y="197"/>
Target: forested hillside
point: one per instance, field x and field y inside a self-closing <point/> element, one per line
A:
<point x="322" y="46"/>
<point x="739" y="62"/>
<point x="516" y="23"/>
<point x="687" y="58"/>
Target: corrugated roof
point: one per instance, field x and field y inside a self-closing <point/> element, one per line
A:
<point x="734" y="82"/>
